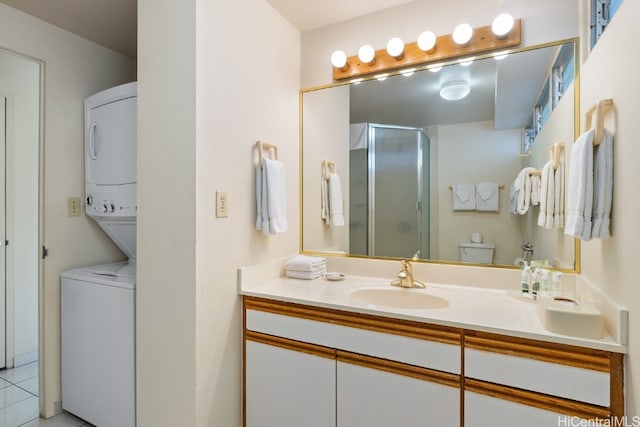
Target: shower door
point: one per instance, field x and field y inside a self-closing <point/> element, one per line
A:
<point x="395" y="176"/>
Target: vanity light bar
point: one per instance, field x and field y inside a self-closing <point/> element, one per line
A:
<point x="483" y="40"/>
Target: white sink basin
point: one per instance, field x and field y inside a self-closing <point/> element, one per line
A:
<point x="569" y="317"/>
<point x="398" y="298"/>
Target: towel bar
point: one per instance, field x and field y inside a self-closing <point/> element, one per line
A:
<point x="261" y="146"/>
<point x="501" y="187"/>
<point x="599" y="109"/>
<point x="327" y="168"/>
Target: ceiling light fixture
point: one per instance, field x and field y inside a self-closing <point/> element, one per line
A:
<point x="395" y="47"/>
<point x="502" y="25"/>
<point x="462" y="34"/>
<point x="366" y="54"/>
<point x="455" y="90"/>
<point x="427" y="41"/>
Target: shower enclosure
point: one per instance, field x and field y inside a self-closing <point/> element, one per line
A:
<point x="389" y="191"/>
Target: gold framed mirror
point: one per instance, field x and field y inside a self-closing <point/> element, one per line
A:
<point x="399" y="149"/>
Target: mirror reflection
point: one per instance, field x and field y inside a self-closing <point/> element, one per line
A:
<point x="424" y="162"/>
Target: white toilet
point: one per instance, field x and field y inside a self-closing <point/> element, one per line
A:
<point x="477" y="253"/>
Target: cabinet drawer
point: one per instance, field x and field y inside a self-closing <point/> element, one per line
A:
<point x="442" y="355"/>
<point x="556" y="370"/>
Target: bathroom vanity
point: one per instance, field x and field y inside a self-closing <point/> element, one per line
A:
<point x="317" y="354"/>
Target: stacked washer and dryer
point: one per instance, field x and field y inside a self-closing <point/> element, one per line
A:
<point x="98" y="302"/>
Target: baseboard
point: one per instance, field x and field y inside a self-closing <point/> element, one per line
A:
<point x="25" y="358"/>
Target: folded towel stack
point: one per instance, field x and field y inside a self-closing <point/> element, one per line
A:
<point x="306" y="267"/>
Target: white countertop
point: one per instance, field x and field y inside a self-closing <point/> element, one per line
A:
<point x="480" y="309"/>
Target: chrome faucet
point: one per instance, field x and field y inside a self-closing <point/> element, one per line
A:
<point x="405" y="277"/>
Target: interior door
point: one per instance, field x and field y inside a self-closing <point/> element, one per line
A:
<point x="3" y="252"/>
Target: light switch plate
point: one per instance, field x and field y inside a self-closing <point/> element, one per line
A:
<point x="222" y="204"/>
<point x="73" y="206"/>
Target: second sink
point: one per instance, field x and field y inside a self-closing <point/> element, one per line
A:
<point x="398" y="298"/>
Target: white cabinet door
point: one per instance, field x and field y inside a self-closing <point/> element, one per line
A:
<point x="374" y="398"/>
<point x="287" y="388"/>
<point x="486" y="411"/>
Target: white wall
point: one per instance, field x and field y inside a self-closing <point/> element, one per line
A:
<point x="224" y="97"/>
<point x="244" y="94"/>
<point x="166" y="292"/>
<point x="477" y="153"/>
<point x="20" y="83"/>
<point x="552" y="245"/>
<point x="74" y="69"/>
<point x="326" y="135"/>
<point x="543" y="21"/>
<point x="611" y="72"/>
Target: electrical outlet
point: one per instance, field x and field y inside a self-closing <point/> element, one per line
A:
<point x="73" y="206"/>
<point x="222" y="204"/>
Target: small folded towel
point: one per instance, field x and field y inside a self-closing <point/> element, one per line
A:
<point x="602" y="187"/>
<point x="547" y="196"/>
<point x="523" y="189"/>
<point x="306" y="275"/>
<point x="271" y="198"/>
<point x="580" y="188"/>
<point x="335" y="200"/>
<point x="487" y="196"/>
<point x="464" y="198"/>
<point x="306" y="263"/>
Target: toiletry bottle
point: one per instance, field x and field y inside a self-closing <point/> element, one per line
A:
<point x="556" y="277"/>
<point x="525" y="279"/>
<point x="535" y="283"/>
<point x="544" y="282"/>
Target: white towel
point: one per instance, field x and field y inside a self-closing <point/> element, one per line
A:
<point x="324" y="201"/>
<point x="487" y="196"/>
<point x="513" y="197"/>
<point x="464" y="197"/>
<point x="580" y="188"/>
<point x="523" y="189"/>
<point x="602" y="187"/>
<point x="271" y="198"/>
<point x="306" y="263"/>
<point x="335" y="200"/>
<point x="306" y="275"/>
<point x="536" y="182"/>
<point x="558" y="204"/>
<point x="547" y="196"/>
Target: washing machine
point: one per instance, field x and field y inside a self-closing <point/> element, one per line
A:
<point x="98" y="344"/>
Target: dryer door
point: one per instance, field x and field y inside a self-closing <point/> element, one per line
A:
<point x="110" y="143"/>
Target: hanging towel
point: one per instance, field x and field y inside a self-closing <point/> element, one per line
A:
<point x="513" y="198"/>
<point x="336" y="209"/>
<point x="547" y="196"/>
<point x="602" y="187"/>
<point x="523" y="190"/>
<point x="487" y="196"/>
<point x="580" y="188"/>
<point x="464" y="198"/>
<point x="535" y="189"/>
<point x="324" y="201"/>
<point x="271" y="198"/>
<point x="558" y="204"/>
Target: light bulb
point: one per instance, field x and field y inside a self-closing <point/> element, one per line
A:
<point x="367" y="54"/>
<point x="434" y="68"/>
<point x="502" y="25"/>
<point x="409" y="72"/>
<point x="462" y="34"/>
<point x="500" y="56"/>
<point x="339" y="59"/>
<point x="381" y="77"/>
<point x="395" y="47"/>
<point x="427" y="41"/>
<point x="466" y="62"/>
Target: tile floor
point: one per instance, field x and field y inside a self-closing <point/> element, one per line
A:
<point x="19" y="400"/>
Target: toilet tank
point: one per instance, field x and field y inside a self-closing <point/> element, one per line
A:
<point x="477" y="253"/>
